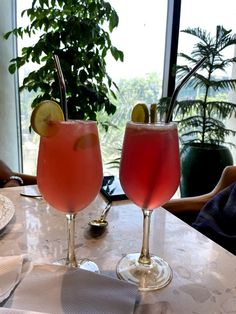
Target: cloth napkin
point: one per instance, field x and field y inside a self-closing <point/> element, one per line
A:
<point x="57" y="289"/>
<point x="3" y="310"/>
<point x="12" y="271"/>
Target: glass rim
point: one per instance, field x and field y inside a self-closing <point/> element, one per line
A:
<point x="75" y="121"/>
<point x="155" y="124"/>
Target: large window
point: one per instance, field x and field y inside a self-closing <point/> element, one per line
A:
<point x="141" y="36"/>
<point x="30" y="140"/>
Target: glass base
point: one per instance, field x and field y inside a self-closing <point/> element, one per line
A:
<point x="82" y="263"/>
<point x="147" y="277"/>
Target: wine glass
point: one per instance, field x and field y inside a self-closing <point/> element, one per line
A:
<point x="69" y="174"/>
<point x="149" y="175"/>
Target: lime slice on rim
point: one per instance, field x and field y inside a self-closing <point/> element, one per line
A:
<point x="43" y="115"/>
<point x="140" y="113"/>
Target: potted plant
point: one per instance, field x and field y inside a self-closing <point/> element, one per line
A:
<point x="78" y="31"/>
<point x="201" y="113"/>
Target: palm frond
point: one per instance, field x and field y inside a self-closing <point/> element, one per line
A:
<point x="201" y="116"/>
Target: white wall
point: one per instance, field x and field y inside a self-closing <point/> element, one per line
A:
<point x="9" y="124"/>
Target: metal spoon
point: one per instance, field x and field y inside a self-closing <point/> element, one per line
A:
<point x="30" y="191"/>
<point x="101" y="222"/>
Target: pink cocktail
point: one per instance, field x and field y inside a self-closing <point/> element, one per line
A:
<point x="149" y="175"/>
<point x="69" y="170"/>
<point x="149" y="170"/>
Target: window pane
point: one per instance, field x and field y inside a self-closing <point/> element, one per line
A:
<point x="30" y="140"/>
<point x="141" y="36"/>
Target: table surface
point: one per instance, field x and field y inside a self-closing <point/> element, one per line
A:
<point x="204" y="274"/>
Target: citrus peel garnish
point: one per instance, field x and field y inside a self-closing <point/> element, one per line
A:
<point x="43" y="115"/>
<point x="140" y="113"/>
<point x="86" y="141"/>
<point x="153" y="113"/>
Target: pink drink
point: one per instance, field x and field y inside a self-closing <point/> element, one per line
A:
<point x="150" y="169"/>
<point x="69" y="172"/>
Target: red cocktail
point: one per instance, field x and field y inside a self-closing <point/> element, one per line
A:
<point x="149" y="175"/>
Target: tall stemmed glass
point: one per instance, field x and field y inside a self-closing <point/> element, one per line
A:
<point x="149" y="175"/>
<point x="69" y="174"/>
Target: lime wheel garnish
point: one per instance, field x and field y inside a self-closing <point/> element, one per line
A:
<point x="140" y="113"/>
<point x="43" y="115"/>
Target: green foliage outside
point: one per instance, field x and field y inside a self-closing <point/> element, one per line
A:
<point x="144" y="89"/>
<point x="139" y="89"/>
<point x="78" y="31"/>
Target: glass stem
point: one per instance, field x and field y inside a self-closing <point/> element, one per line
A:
<point x="71" y="258"/>
<point x="144" y="257"/>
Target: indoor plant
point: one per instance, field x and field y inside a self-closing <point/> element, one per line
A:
<point x="78" y="31"/>
<point x="201" y="114"/>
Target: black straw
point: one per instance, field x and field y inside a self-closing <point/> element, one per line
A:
<point x="179" y="86"/>
<point x="62" y="86"/>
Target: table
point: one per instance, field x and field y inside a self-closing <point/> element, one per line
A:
<point x="204" y="274"/>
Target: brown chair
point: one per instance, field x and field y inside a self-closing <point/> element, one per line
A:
<point x="188" y="208"/>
